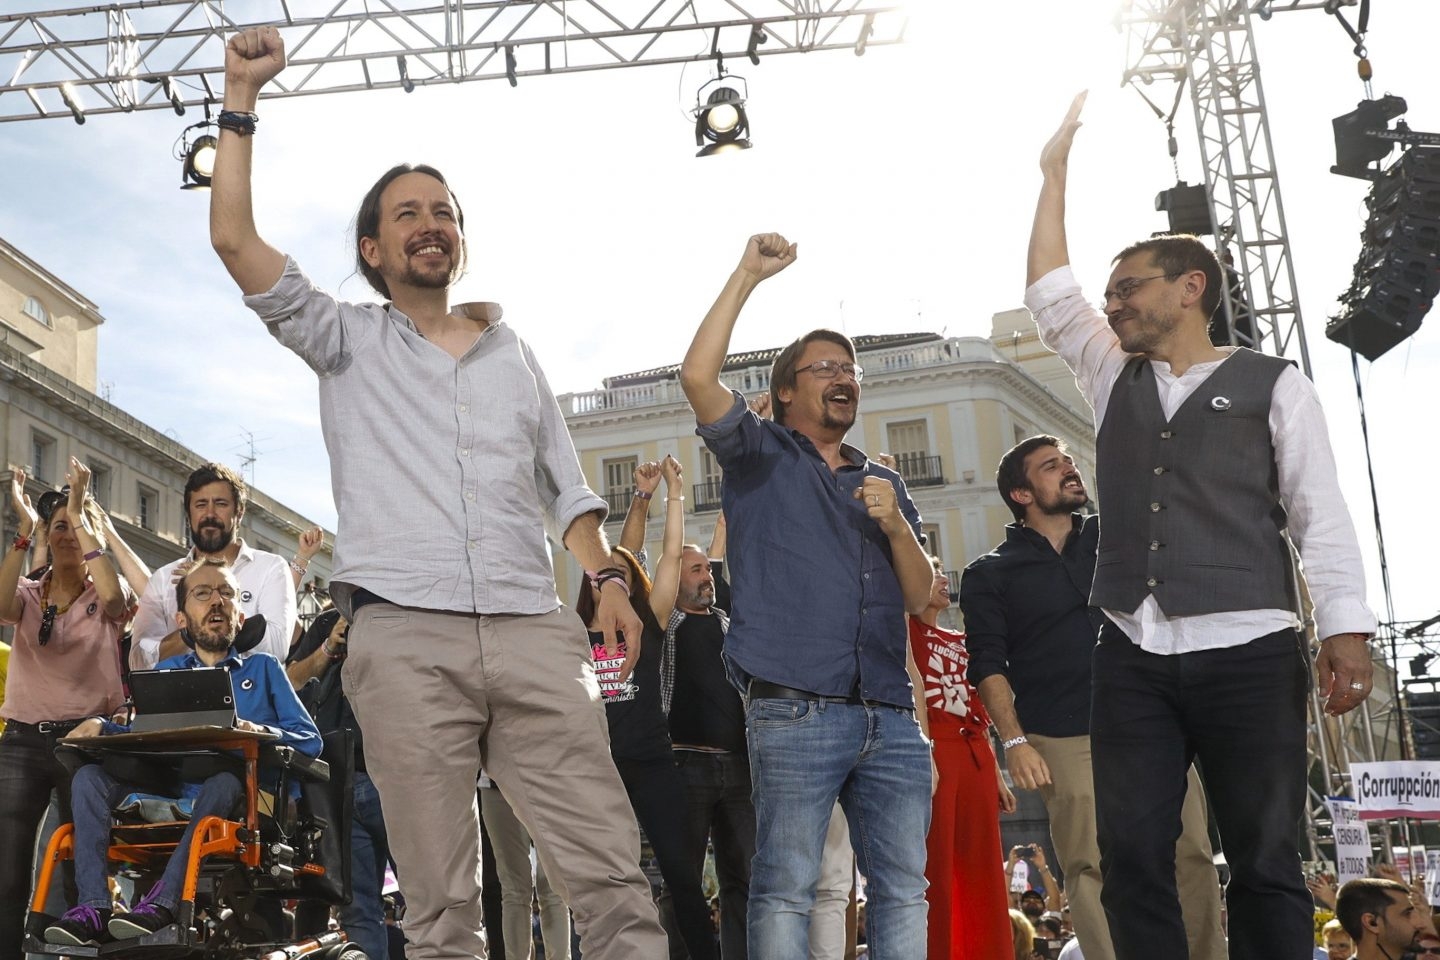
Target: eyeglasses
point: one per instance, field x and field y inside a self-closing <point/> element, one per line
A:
<point x="1427" y="951"/>
<point x="47" y="623"/>
<point x="829" y="370"/>
<point x="1129" y="285"/>
<point x="204" y="592"/>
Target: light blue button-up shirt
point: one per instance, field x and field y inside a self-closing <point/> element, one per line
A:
<point x="447" y="474"/>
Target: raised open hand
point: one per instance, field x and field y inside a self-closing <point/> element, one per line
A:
<point x="1055" y="158"/>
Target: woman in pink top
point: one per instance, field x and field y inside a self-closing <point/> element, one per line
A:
<point x="64" y="667"/>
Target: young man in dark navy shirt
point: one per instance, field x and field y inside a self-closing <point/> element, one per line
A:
<point x="825" y="561"/>
<point x="1031" y="631"/>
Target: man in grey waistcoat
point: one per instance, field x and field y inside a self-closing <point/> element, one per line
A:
<point x="1206" y="458"/>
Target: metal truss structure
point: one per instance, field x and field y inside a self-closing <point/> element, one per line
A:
<point x="1208" y="46"/>
<point x="169" y="54"/>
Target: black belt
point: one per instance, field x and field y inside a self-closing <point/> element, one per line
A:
<point x="48" y="728"/>
<point x="765" y="690"/>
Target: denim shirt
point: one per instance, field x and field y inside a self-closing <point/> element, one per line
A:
<point x="816" y="604"/>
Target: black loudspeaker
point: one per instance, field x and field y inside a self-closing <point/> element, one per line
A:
<point x="1397" y="275"/>
<point x="1424" y="712"/>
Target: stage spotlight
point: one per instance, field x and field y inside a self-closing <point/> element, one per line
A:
<point x="1188" y="208"/>
<point x="200" y="163"/>
<point x="1420" y="664"/>
<point x="197" y="155"/>
<point x="720" y="118"/>
<point x="72" y="100"/>
<point x="1358" y="140"/>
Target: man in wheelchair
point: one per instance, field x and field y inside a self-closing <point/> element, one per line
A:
<point x="209" y="618"/>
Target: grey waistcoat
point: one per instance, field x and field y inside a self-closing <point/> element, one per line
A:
<point x="1190" y="506"/>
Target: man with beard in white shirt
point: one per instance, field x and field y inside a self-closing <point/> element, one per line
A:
<point x="215" y="498"/>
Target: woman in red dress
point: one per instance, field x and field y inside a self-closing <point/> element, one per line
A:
<point x="969" y="910"/>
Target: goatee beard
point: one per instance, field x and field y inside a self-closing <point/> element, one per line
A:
<point x="210" y="539"/>
<point x="212" y="642"/>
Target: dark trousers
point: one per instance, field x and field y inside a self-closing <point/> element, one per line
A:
<point x="719" y="812"/>
<point x="1239" y="711"/>
<point x="363" y="918"/>
<point x="658" y="797"/>
<point x="28" y="772"/>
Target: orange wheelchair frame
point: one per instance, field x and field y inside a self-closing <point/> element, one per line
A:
<point x="251" y="856"/>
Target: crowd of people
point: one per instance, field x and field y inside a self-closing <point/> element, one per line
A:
<point x="784" y="704"/>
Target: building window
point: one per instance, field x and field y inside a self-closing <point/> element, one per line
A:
<point x="100" y="483"/>
<point x="932" y="541"/>
<point x="35" y="310"/>
<point x="619" y="484"/>
<point x="707" y="491"/>
<point x="909" y="442"/>
<point x="42" y="457"/>
<point x="148" y="510"/>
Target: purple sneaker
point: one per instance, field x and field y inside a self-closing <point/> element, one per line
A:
<point x="80" y="927"/>
<point x="146" y="917"/>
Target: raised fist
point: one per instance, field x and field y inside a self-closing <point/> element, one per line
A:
<point x="766" y="254"/>
<point x="673" y="473"/>
<point x="253" y="58"/>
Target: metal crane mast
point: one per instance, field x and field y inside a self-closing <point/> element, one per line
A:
<point x="1209" y="47"/>
<point x="169" y="54"/>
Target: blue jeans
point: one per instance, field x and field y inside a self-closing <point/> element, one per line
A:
<point x="94" y="793"/>
<point x="363" y="918"/>
<point x="803" y="755"/>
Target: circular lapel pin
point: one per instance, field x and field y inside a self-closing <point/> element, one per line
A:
<point x="247" y="684"/>
<point x="1220" y="403"/>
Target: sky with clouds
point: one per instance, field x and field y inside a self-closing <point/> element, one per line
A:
<point x="907" y="176"/>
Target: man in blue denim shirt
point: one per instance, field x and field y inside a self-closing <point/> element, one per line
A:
<point x="826" y="561"/>
<point x="264" y="702"/>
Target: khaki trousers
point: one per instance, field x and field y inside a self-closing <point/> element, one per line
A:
<point x="441" y="694"/>
<point x="1070" y="802"/>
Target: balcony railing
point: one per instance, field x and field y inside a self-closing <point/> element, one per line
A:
<point x="918" y="470"/>
<point x="619" y="503"/>
<point x="751" y="380"/>
<point x="706" y="496"/>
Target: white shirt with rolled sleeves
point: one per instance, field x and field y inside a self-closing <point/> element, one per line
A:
<point x="265" y="588"/>
<point x="447" y="473"/>
<point x="1319" y="521"/>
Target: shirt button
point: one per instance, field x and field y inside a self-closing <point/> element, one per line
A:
<point x="1154" y="544"/>
<point x="464" y="407"/>
<point x="1155" y="507"/>
<point x="1166" y="434"/>
<point x="475" y="544"/>
<point x="464" y="451"/>
<point x="470" y="495"/>
<point x="1159" y="471"/>
<point x="1151" y="582"/>
<point x="867" y="576"/>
